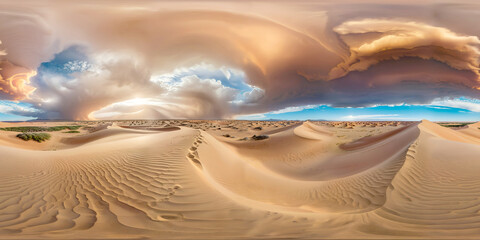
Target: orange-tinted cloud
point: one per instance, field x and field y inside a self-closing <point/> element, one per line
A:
<point x="14" y="81"/>
<point x="371" y="41"/>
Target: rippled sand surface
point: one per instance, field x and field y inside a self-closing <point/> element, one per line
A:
<point x="211" y="180"/>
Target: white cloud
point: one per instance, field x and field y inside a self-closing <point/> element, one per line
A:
<point x="436" y="107"/>
<point x="254" y="95"/>
<point x="191" y="97"/>
<point x="12" y="107"/>
<point x="373" y="116"/>
<point x="251" y="117"/>
<point x="77" y="66"/>
<point x="293" y="109"/>
<point x="226" y="72"/>
<point x="5" y="109"/>
<point x="463" y="103"/>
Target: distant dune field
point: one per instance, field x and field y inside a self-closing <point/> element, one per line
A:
<point x="241" y="179"/>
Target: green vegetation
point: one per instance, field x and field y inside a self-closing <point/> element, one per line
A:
<point x="39" y="137"/>
<point x="73" y="131"/>
<point x="60" y="128"/>
<point x="40" y="129"/>
<point x="454" y="125"/>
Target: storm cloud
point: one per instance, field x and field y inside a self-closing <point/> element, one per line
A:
<point x="292" y="54"/>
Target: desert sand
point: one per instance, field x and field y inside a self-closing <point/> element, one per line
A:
<point x="176" y="179"/>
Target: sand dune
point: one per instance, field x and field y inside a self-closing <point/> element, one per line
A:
<point x="113" y="134"/>
<point x="264" y="174"/>
<point x="472" y="130"/>
<point x="189" y="181"/>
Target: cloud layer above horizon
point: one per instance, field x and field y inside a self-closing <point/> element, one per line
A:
<point x="224" y="59"/>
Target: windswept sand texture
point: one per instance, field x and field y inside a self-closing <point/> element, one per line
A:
<point x="211" y="180"/>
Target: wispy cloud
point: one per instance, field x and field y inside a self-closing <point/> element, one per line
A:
<point x="463" y="103"/>
<point x="251" y="117"/>
<point x="293" y="109"/>
<point x="373" y="116"/>
<point x="12" y="107"/>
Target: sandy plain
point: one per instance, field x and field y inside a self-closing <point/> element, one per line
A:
<point x="196" y="179"/>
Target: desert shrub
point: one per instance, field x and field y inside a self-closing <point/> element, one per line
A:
<point x="24" y="129"/>
<point x="257" y="128"/>
<point x="454" y="125"/>
<point x="72" y="131"/>
<point x="61" y="128"/>
<point x="24" y="136"/>
<point x="40" y="129"/>
<point x="259" y="137"/>
<point x="38" y="137"/>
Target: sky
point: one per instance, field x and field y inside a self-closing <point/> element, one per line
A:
<point x="322" y="60"/>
